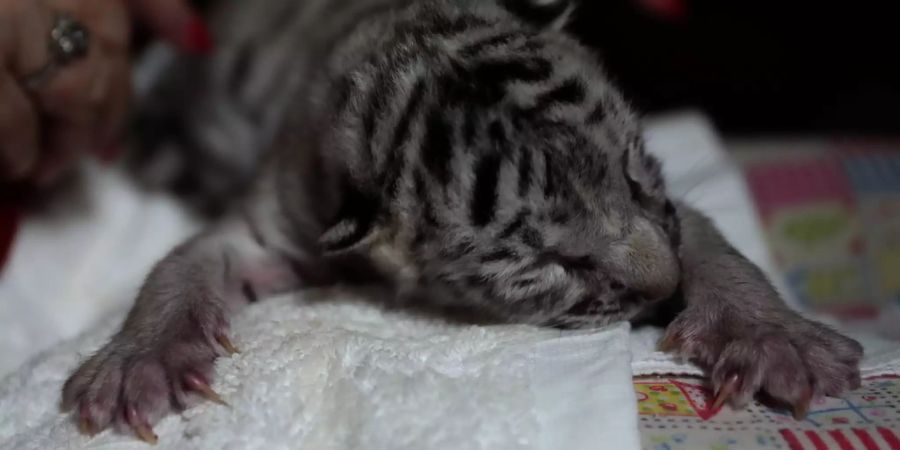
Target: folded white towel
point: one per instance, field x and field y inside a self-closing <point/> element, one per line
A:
<point x="349" y="375"/>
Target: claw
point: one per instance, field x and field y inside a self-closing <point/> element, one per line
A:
<point x="139" y="424"/>
<point x="86" y="427"/>
<point x="145" y="433"/>
<point x="728" y="388"/>
<point x="802" y="407"/>
<point x="667" y="344"/>
<point x="196" y="383"/>
<point x="226" y="344"/>
<point x="855" y="382"/>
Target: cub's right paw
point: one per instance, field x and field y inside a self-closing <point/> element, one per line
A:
<point x="788" y="359"/>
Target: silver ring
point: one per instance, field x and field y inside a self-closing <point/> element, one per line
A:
<point x="69" y="41"/>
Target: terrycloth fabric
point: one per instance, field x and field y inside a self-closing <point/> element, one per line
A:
<point x="349" y="375"/>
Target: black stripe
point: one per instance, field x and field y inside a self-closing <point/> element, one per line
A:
<point x="344" y="87"/>
<point x="396" y="159"/>
<point x="384" y="87"/>
<point x="249" y="292"/>
<point x="571" y="91"/>
<point x="498" y="136"/>
<point x="394" y="166"/>
<point x="458" y="250"/>
<point x="403" y="129"/>
<point x="484" y="195"/>
<point x="598" y="114"/>
<point x="438" y="25"/>
<point x="532" y="237"/>
<point x="501" y="71"/>
<point x="424" y="200"/>
<point x="437" y="150"/>
<point x="669" y="209"/>
<point x="634" y="188"/>
<point x="549" y="177"/>
<point x="254" y="232"/>
<point x="560" y="216"/>
<point x="587" y="305"/>
<point x="524" y="171"/>
<point x="457" y="25"/>
<point x="477" y="47"/>
<point x="470" y="125"/>
<point x="377" y="103"/>
<point x="482" y="281"/>
<point x="241" y="67"/>
<point x="525" y="283"/>
<point x="485" y="82"/>
<point x="515" y="225"/>
<point x="500" y="254"/>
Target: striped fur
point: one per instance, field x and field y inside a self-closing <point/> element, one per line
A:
<point x="472" y="141"/>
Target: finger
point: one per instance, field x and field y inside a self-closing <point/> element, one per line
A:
<point x="114" y="113"/>
<point x="64" y="142"/>
<point x="108" y="21"/>
<point x="78" y="92"/>
<point x="24" y="27"/>
<point x="19" y="143"/>
<point x="176" y="22"/>
<point x="82" y="86"/>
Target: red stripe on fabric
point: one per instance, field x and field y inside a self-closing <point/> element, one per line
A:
<point x="889" y="437"/>
<point x="867" y="440"/>
<point x="841" y="439"/>
<point x="816" y="440"/>
<point x="791" y="439"/>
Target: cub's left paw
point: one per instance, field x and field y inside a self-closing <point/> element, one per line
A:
<point x="786" y="359"/>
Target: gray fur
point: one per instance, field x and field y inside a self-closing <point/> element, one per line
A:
<point x="462" y="155"/>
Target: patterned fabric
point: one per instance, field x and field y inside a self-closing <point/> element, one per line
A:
<point x="675" y="413"/>
<point x="833" y="223"/>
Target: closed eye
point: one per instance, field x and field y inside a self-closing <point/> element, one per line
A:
<point x="567" y="262"/>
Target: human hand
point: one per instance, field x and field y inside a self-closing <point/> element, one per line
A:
<point x="47" y="122"/>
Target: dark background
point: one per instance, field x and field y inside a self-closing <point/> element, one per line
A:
<point x="764" y="66"/>
<point x="754" y="66"/>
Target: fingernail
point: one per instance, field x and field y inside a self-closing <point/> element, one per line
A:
<point x="196" y="37"/>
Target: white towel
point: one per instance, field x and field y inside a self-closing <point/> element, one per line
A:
<point x="348" y="375"/>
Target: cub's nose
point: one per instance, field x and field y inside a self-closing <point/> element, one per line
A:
<point x="645" y="261"/>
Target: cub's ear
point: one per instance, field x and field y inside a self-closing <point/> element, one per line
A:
<point x="356" y="224"/>
<point x="644" y="174"/>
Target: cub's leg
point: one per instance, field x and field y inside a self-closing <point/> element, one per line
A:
<point x="163" y="356"/>
<point x="736" y="326"/>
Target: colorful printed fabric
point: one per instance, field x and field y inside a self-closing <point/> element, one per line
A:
<point x="833" y="225"/>
<point x="675" y="414"/>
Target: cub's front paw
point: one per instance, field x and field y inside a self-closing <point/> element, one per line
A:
<point x="137" y="378"/>
<point x="785" y="358"/>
